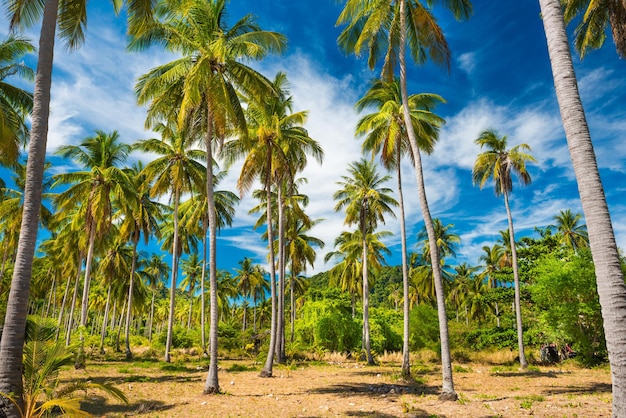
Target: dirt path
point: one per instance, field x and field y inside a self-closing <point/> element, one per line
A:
<point x="349" y="390"/>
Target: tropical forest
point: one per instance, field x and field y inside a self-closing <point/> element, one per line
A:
<point x="236" y="255"/>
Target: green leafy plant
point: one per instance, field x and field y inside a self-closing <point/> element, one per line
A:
<point x="43" y="359"/>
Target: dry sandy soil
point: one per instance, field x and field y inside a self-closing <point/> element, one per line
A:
<point x="347" y="389"/>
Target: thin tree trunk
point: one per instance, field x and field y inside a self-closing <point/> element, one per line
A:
<point x="170" y="321"/>
<point x="497" y="315"/>
<point x="13" y="333"/>
<point x="447" y="390"/>
<point x="87" y="278"/>
<point x="518" y="304"/>
<point x="105" y="319"/>
<point x="212" y="382"/>
<point x="52" y="294"/>
<point x="202" y="289"/>
<point x="609" y="276"/>
<point x="406" y="361"/>
<point x="292" y="303"/>
<point x="366" y="292"/>
<point x="280" y="316"/>
<point x="68" y="333"/>
<point x="62" y="309"/>
<point x="151" y="317"/>
<point x="119" y="326"/>
<point x="131" y="283"/>
<point x="269" y="362"/>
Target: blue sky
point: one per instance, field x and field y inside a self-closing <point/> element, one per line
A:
<point x="499" y="78"/>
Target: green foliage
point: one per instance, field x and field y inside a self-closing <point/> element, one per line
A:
<point x="503" y="337"/>
<point x="181" y="337"/>
<point x="565" y="293"/>
<point x="326" y="322"/>
<point x="230" y="336"/>
<point x="385" y="330"/>
<point x="424" y="328"/>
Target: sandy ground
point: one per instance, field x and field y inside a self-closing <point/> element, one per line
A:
<point x="348" y="390"/>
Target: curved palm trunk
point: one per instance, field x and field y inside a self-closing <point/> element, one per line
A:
<point x="447" y="390"/>
<point x="269" y="362"/>
<point x="105" y="319"/>
<point x="202" y="290"/>
<point x="151" y="319"/>
<point x="518" y="305"/>
<point x="212" y="383"/>
<point x="13" y="334"/>
<point x="131" y="283"/>
<point x="87" y="278"/>
<point x="609" y="276"/>
<point x="70" y="320"/>
<point x="406" y="361"/>
<point x="280" y="317"/>
<point x="366" y="292"/>
<point x="62" y="310"/>
<point x="170" y="320"/>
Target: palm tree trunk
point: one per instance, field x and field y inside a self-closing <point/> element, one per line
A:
<point x="87" y="279"/>
<point x="366" y="292"/>
<point x="292" y="303"/>
<point x="62" y="309"/>
<point x="105" y="319"/>
<point x="131" y="283"/>
<point x="609" y="276"/>
<point x="170" y="320"/>
<point x="151" y="319"/>
<point x="269" y="362"/>
<point x="52" y="294"/>
<point x="280" y="317"/>
<point x="13" y="334"/>
<point x="518" y="304"/>
<point x="202" y="289"/>
<point x="447" y="390"/>
<point x="119" y="326"/>
<point x="68" y="332"/>
<point x="212" y="382"/>
<point x="406" y="361"/>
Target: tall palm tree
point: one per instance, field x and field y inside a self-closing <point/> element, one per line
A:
<point x="366" y="202"/>
<point x="385" y="134"/>
<point x="176" y="171"/>
<point x="15" y="103"/>
<point x="274" y="149"/>
<point x="246" y="278"/>
<point x="606" y="258"/>
<point x="72" y="22"/>
<point x="492" y="259"/>
<point x="140" y="215"/>
<point x="155" y="272"/>
<point x="383" y="29"/>
<point x="192" y="270"/>
<point x="597" y="15"/>
<point x="499" y="164"/>
<point x="203" y="84"/>
<point x="95" y="188"/>
<point x="571" y="233"/>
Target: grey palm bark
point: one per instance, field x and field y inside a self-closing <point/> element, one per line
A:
<point x="406" y="361"/>
<point x="131" y="285"/>
<point x="447" y="390"/>
<point x="518" y="304"/>
<point x="12" y="343"/>
<point x="366" y="289"/>
<point x="170" y="319"/>
<point x="609" y="276"/>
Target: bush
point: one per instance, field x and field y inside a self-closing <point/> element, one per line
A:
<point x="424" y="328"/>
<point x="385" y="330"/>
<point x="181" y="338"/>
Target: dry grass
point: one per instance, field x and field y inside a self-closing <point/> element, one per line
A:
<point x="347" y="388"/>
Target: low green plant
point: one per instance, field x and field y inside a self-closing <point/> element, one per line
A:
<point x="43" y="359"/>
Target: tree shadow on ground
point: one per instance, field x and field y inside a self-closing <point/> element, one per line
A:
<point x="579" y="389"/>
<point x="377" y="389"/>
<point x="100" y="406"/>
<point x="530" y="373"/>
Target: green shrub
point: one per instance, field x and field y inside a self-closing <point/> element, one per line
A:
<point x="424" y="325"/>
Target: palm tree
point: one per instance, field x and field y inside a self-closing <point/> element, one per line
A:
<point x="597" y="15"/>
<point x="385" y="134"/>
<point x="206" y="79"/>
<point x="192" y="269"/>
<point x="176" y="171"/>
<point x="95" y="188"/>
<point x="72" y="22"/>
<point x="492" y="259"/>
<point x="275" y="148"/>
<point x="15" y="103"/>
<point x="571" y="233"/>
<point x="366" y="202"/>
<point x="390" y="24"/>
<point x="499" y="163"/>
<point x="606" y="258"/>
<point x="155" y="271"/>
<point x="141" y="215"/>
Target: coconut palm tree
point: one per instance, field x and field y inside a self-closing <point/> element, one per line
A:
<point x="606" y="258"/>
<point x="177" y="170"/>
<point x="192" y="270"/>
<point x="366" y="202"/>
<point x="204" y="87"/>
<point x="72" y="22"/>
<point x="597" y="15"/>
<point x="385" y="135"/>
<point x="155" y="272"/>
<point x="492" y="263"/>
<point x="274" y="150"/>
<point x="95" y="188"/>
<point x="572" y="234"/>
<point x="499" y="164"/>
<point x="15" y="103"/>
<point x="383" y="29"/>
